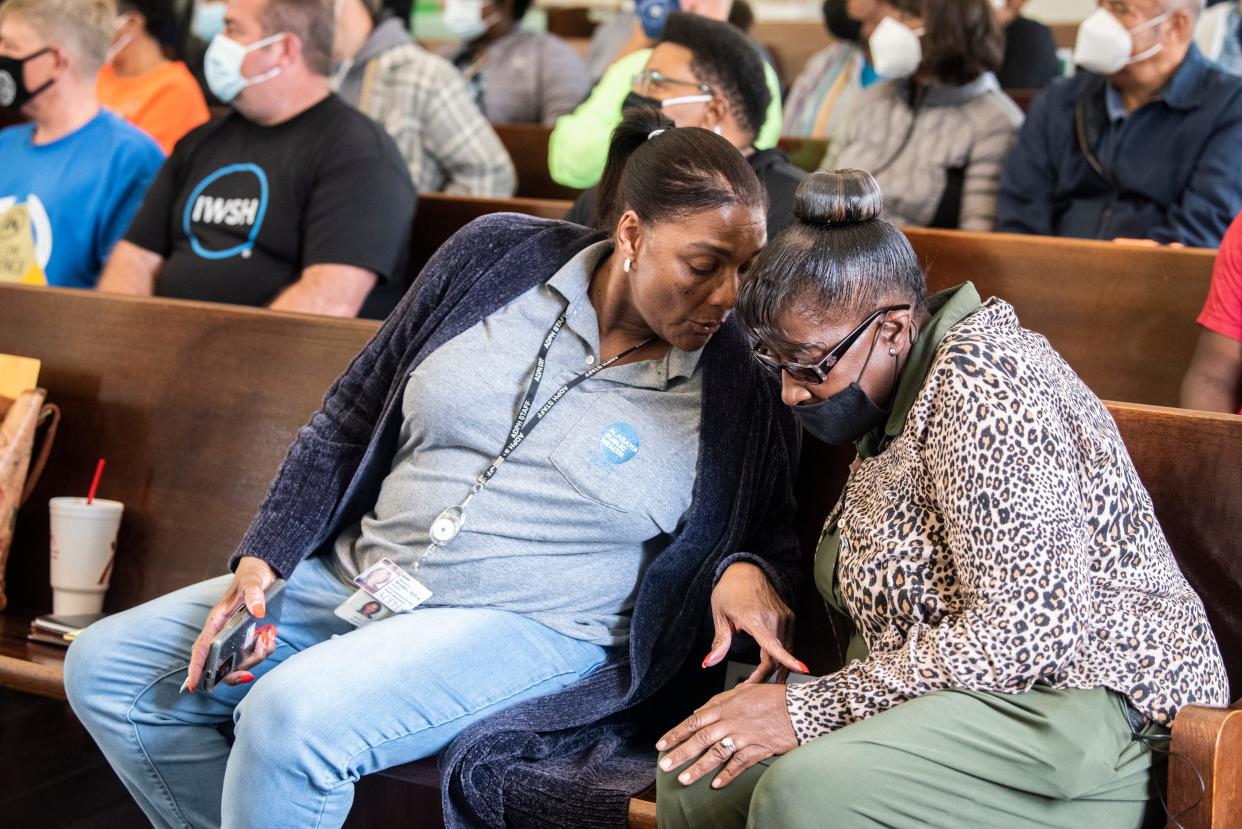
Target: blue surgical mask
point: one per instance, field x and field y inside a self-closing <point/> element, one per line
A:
<point x="208" y="20"/>
<point x="222" y="66"/>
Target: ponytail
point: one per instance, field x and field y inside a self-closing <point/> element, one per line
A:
<point x="662" y="172"/>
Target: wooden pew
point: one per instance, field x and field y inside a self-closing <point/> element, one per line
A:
<point x="528" y="147"/>
<point x="1122" y="316"/>
<point x="807" y="153"/>
<point x="194" y="405"/>
<point x="792" y="43"/>
<point x="1023" y="97"/>
<point x="440" y="215"/>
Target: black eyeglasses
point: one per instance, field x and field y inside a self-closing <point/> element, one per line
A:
<point x="813" y="375"/>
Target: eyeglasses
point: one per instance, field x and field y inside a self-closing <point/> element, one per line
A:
<point x="649" y="81"/>
<point x="814" y="374"/>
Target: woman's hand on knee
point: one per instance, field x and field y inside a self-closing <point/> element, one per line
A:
<point x="735" y="729"/>
<point x="250" y="582"/>
<point x="745" y="601"/>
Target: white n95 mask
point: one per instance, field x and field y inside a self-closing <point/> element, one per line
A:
<point x="895" y="49"/>
<point x="464" y="18"/>
<point x="1104" y="44"/>
<point x="222" y="66"/>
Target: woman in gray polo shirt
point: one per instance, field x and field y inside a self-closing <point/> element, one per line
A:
<point x="559" y="449"/>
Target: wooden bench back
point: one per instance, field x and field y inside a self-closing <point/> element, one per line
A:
<point x="1122" y="316"/>
<point x="1189" y="462"/>
<point x="528" y="147"/>
<point x="193" y="405"/>
<point x="440" y="215"/>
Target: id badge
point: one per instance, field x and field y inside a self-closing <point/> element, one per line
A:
<point x="361" y="609"/>
<point x="396" y="589"/>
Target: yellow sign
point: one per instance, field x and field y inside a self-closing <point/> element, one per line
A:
<point x="18" y="262"/>
<point x="17" y="374"/>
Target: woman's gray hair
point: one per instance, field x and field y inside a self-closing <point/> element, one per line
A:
<point x="840" y="260"/>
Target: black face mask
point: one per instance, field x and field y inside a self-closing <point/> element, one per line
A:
<point x="13" y="90"/>
<point x="839" y="23"/>
<point x="848" y="415"/>
<point x="843" y="418"/>
<point x="635" y="100"/>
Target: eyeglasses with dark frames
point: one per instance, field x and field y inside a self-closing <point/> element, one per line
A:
<point x="812" y="374"/>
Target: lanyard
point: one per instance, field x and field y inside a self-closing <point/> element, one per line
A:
<point x="449" y="522"/>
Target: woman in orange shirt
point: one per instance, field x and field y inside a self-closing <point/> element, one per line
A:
<point x="155" y="94"/>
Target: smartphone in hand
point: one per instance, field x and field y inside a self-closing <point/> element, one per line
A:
<point x="235" y="641"/>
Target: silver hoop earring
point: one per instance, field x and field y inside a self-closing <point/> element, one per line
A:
<point x="626" y="265"/>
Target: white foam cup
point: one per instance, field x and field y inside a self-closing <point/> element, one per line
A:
<point x="83" y="547"/>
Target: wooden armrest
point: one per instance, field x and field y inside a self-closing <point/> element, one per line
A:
<point x="1207" y="741"/>
<point x="642" y="814"/>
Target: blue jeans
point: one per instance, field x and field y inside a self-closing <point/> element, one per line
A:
<point x="330" y="705"/>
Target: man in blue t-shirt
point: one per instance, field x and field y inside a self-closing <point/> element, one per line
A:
<point x="72" y="178"/>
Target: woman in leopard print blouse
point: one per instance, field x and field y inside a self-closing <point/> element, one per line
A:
<point x="1025" y="636"/>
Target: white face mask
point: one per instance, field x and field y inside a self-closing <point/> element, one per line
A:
<point x="121" y="42"/>
<point x="223" y="61"/>
<point x="208" y="20"/>
<point x="464" y="18"/>
<point x="1104" y="43"/>
<point x="895" y="49"/>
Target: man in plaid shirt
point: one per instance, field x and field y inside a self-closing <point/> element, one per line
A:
<point x="421" y="100"/>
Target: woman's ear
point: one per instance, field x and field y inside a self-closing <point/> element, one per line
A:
<point x="897" y="332"/>
<point x="716" y="112"/>
<point x="629" y="235"/>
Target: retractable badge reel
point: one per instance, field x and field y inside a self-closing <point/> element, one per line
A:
<point x="447" y="525"/>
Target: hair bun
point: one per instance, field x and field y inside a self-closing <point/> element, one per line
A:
<point x="840" y="197"/>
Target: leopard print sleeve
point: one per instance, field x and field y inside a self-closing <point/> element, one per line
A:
<point x="1002" y="604"/>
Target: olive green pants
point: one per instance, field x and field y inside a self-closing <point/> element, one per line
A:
<point x="1045" y="758"/>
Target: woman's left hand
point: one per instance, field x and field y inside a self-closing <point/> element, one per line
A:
<point x="754" y="717"/>
<point x="744" y="600"/>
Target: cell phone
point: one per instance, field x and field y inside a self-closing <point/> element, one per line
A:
<point x="235" y="641"/>
<point x="653" y="13"/>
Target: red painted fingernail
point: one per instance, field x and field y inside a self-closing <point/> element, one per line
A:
<point x="246" y="677"/>
<point x="707" y="659"/>
<point x="802" y="668"/>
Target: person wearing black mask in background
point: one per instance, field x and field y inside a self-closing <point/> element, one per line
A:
<point x="706" y="73"/>
<point x="820" y="99"/>
<point x="1030" y="52"/>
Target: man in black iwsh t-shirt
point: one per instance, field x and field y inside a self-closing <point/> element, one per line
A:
<point x="295" y="200"/>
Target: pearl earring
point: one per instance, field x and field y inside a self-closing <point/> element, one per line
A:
<point x="892" y="352"/>
<point x="627" y="264"/>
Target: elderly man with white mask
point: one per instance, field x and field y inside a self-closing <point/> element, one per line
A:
<point x="1142" y="144"/>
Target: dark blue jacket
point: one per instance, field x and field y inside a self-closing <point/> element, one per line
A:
<point x="1177" y="168"/>
<point x="571" y="759"/>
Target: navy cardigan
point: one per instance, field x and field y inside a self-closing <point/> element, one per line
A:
<point x="572" y="759"/>
<point x="1175" y="169"/>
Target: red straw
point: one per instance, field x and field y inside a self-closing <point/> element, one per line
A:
<point x="90" y="496"/>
